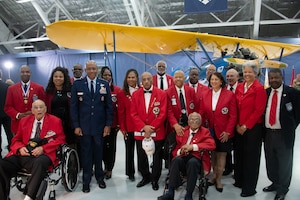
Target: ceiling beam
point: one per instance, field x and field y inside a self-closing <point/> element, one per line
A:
<point x="257" y="11"/>
<point x="136" y="12"/>
<point x="41" y="13"/>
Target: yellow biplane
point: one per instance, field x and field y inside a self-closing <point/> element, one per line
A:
<point x="86" y="35"/>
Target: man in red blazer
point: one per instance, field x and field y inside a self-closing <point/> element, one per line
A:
<point x="20" y="97"/>
<point x="177" y="116"/>
<point x="187" y="156"/>
<point x="194" y="83"/>
<point x="161" y="79"/>
<point x="44" y="129"/>
<point x="77" y="73"/>
<point x="149" y="112"/>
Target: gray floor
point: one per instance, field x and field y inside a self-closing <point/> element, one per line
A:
<point x="119" y="187"/>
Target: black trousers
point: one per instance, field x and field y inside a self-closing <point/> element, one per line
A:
<point x="279" y="160"/>
<point x="247" y="158"/>
<point x="188" y="165"/>
<point x="143" y="164"/>
<point x="109" y="149"/>
<point x="6" y="122"/>
<point x="37" y="166"/>
<point x="129" y="154"/>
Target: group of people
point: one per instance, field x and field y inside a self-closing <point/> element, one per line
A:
<point x="214" y="116"/>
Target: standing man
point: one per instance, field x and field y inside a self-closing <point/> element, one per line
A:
<point x="281" y="119"/>
<point x="149" y="118"/>
<point x="232" y="77"/>
<point x="181" y="102"/>
<point x="162" y="80"/>
<point x="92" y="117"/>
<point x="77" y="72"/>
<point x="33" y="148"/>
<point x="209" y="71"/>
<point x="20" y="97"/>
<point x="194" y="83"/>
<point x="4" y="118"/>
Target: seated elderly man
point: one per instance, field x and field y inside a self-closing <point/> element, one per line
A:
<point x="33" y="148"/>
<point x="187" y="156"/>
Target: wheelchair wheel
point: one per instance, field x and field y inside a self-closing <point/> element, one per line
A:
<point x="70" y="169"/>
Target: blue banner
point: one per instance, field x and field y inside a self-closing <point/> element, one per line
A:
<point x="200" y="6"/>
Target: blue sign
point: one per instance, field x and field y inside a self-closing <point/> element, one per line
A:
<point x="200" y="6"/>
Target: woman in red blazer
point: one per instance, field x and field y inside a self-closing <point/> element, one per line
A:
<point x="110" y="141"/>
<point x="131" y="84"/>
<point x="219" y="112"/>
<point x="251" y="100"/>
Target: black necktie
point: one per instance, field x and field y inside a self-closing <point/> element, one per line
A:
<point x="38" y="130"/>
<point x="182" y="104"/>
<point x="92" y="88"/>
<point x="193" y="133"/>
<point x="147" y="91"/>
<point x="162" y="83"/>
<point x="231" y="88"/>
<point x="25" y="87"/>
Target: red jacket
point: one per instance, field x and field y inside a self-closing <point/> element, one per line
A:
<point x="15" y="102"/>
<point x="203" y="140"/>
<point x="170" y="81"/>
<point x="124" y="115"/>
<point x="157" y="112"/>
<point x="174" y="110"/>
<point x="251" y="105"/>
<point x="199" y="93"/>
<point x="115" y="101"/>
<point x="224" y="118"/>
<point x="51" y="123"/>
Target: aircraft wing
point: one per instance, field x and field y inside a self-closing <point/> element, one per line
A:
<point x="85" y="35"/>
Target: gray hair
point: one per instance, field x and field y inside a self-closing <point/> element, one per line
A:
<point x="253" y="65"/>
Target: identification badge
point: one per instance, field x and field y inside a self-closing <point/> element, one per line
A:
<point x="102" y="89"/>
<point x="173" y="101"/>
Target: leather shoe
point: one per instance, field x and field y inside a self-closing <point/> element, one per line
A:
<point x="269" y="188"/>
<point x="131" y="177"/>
<point x="143" y="182"/>
<point x="85" y="188"/>
<point x="248" y="194"/>
<point x="108" y="175"/>
<point x="165" y="197"/>
<point x="155" y="185"/>
<point x="279" y="197"/>
<point x="219" y="189"/>
<point x="101" y="184"/>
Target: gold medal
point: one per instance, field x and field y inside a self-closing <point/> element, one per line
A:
<point x="25" y="101"/>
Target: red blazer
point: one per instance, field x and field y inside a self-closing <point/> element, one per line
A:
<point x="124" y="115"/>
<point x="115" y="101"/>
<point x="51" y="123"/>
<point x="15" y="103"/>
<point x="224" y="118"/>
<point x="251" y="105"/>
<point x="157" y="112"/>
<point x="174" y="111"/>
<point x="199" y="93"/>
<point x="203" y="140"/>
<point x="170" y="80"/>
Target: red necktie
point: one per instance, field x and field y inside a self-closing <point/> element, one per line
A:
<point x="272" y="118"/>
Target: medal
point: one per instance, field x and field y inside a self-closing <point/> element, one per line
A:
<point x="25" y="100"/>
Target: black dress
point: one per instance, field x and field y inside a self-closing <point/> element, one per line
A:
<point x="61" y="109"/>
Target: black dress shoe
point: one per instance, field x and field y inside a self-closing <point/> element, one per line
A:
<point x="269" y="188"/>
<point x="131" y="177"/>
<point x="165" y="197"/>
<point x="143" y="182"/>
<point x="279" y="197"/>
<point x="108" y="175"/>
<point x="248" y="194"/>
<point x="219" y="189"/>
<point x="155" y="185"/>
<point x="101" y="184"/>
<point x="85" y="188"/>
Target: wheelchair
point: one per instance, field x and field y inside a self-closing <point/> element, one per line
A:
<point x="65" y="170"/>
<point x="202" y="184"/>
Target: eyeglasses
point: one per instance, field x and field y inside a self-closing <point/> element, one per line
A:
<point x="194" y="120"/>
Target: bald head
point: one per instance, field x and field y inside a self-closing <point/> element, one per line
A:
<point x="232" y="76"/>
<point x="179" y="78"/>
<point x="147" y="80"/>
<point x="210" y="70"/>
<point x="25" y="73"/>
<point x="38" y="109"/>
